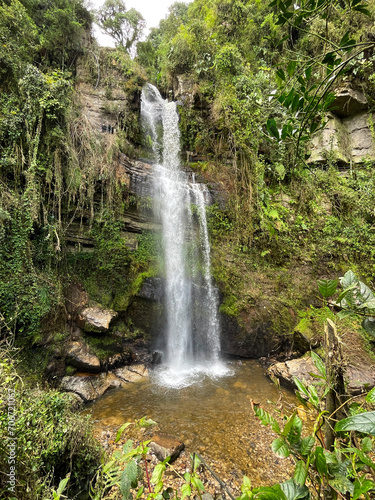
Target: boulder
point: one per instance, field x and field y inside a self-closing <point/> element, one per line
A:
<point x="81" y="357"/>
<point x="90" y="387"/>
<point x="359" y="378"/>
<point x="166" y="446"/>
<point x="97" y="319"/>
<point x="133" y="373"/>
<point x="299" y="368"/>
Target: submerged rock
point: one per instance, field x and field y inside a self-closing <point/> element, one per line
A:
<point x="97" y="318"/>
<point x="166" y="446"/>
<point x="81" y="357"/>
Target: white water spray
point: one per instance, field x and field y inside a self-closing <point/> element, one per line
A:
<point x="192" y="331"/>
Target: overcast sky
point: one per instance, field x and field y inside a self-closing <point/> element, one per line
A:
<point x="152" y="10"/>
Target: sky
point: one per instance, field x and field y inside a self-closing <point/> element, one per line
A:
<point x="152" y="10"/>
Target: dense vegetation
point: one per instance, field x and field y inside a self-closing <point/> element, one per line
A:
<point x="253" y="71"/>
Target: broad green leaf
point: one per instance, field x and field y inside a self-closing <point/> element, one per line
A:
<point x="320" y="461"/>
<point x="280" y="448"/>
<point x="300" y="473"/>
<point x="288" y="425"/>
<point x="128" y="477"/>
<point x="314" y="398"/>
<point x="370" y="304"/>
<point x="185" y="490"/>
<point x="158" y="473"/>
<point x="344" y="314"/>
<point x="293" y="491"/>
<point x="121" y="430"/>
<point x="266" y="418"/>
<point x="307" y="444"/>
<point x="301" y="387"/>
<point x="348" y="279"/>
<point x="197" y="483"/>
<point x="360" y="488"/>
<point x="280" y="73"/>
<point x="368" y="324"/>
<point x="366" y="444"/>
<point x="341" y="484"/>
<point x="146" y="422"/>
<point x="345" y="292"/>
<point x="62" y="486"/>
<point x="294" y="435"/>
<point x="269" y="493"/>
<point x="272" y="128"/>
<point x="127" y="446"/>
<point x="327" y="287"/>
<point x="318" y="362"/>
<point x="308" y="72"/>
<point x="139" y="492"/>
<point x="370" y="398"/>
<point x="246" y="484"/>
<point x="364" y="422"/>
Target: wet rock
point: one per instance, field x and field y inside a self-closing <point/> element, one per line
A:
<point x="360" y="379"/>
<point x="152" y="289"/>
<point x="133" y="373"/>
<point x="166" y="446"/>
<point x="97" y="318"/>
<point x="299" y="368"/>
<point x="81" y="357"/>
<point x="157" y="358"/>
<point x="254" y="341"/>
<point x="118" y="360"/>
<point x="90" y="387"/>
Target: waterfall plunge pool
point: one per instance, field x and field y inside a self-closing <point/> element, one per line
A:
<point x="212" y="417"/>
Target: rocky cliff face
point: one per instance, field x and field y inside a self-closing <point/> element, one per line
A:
<point x="348" y="138"/>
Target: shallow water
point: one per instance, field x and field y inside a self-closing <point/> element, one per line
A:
<point x="212" y="416"/>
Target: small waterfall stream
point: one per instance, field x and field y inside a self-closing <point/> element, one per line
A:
<point x="192" y="330"/>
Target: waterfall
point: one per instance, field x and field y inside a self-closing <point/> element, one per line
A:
<point x="192" y="330"/>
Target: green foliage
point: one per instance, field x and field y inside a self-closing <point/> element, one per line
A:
<point x="52" y="440"/>
<point x="125" y="26"/>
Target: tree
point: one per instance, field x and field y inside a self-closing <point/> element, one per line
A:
<point x="125" y="26"/>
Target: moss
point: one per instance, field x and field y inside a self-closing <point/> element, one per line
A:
<point x="104" y="345"/>
<point x="70" y="370"/>
<point x="230" y="306"/>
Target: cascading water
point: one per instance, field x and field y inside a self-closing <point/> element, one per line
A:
<point x="192" y="330"/>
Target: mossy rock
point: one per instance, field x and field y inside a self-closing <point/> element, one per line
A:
<point x="309" y="332"/>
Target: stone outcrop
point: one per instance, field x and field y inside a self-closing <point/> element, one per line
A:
<point x="96" y="319"/>
<point x="164" y="446"/>
<point x="347" y="138"/>
<point x="81" y="357"/>
<point x="90" y="386"/>
<point x="348" y="102"/>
